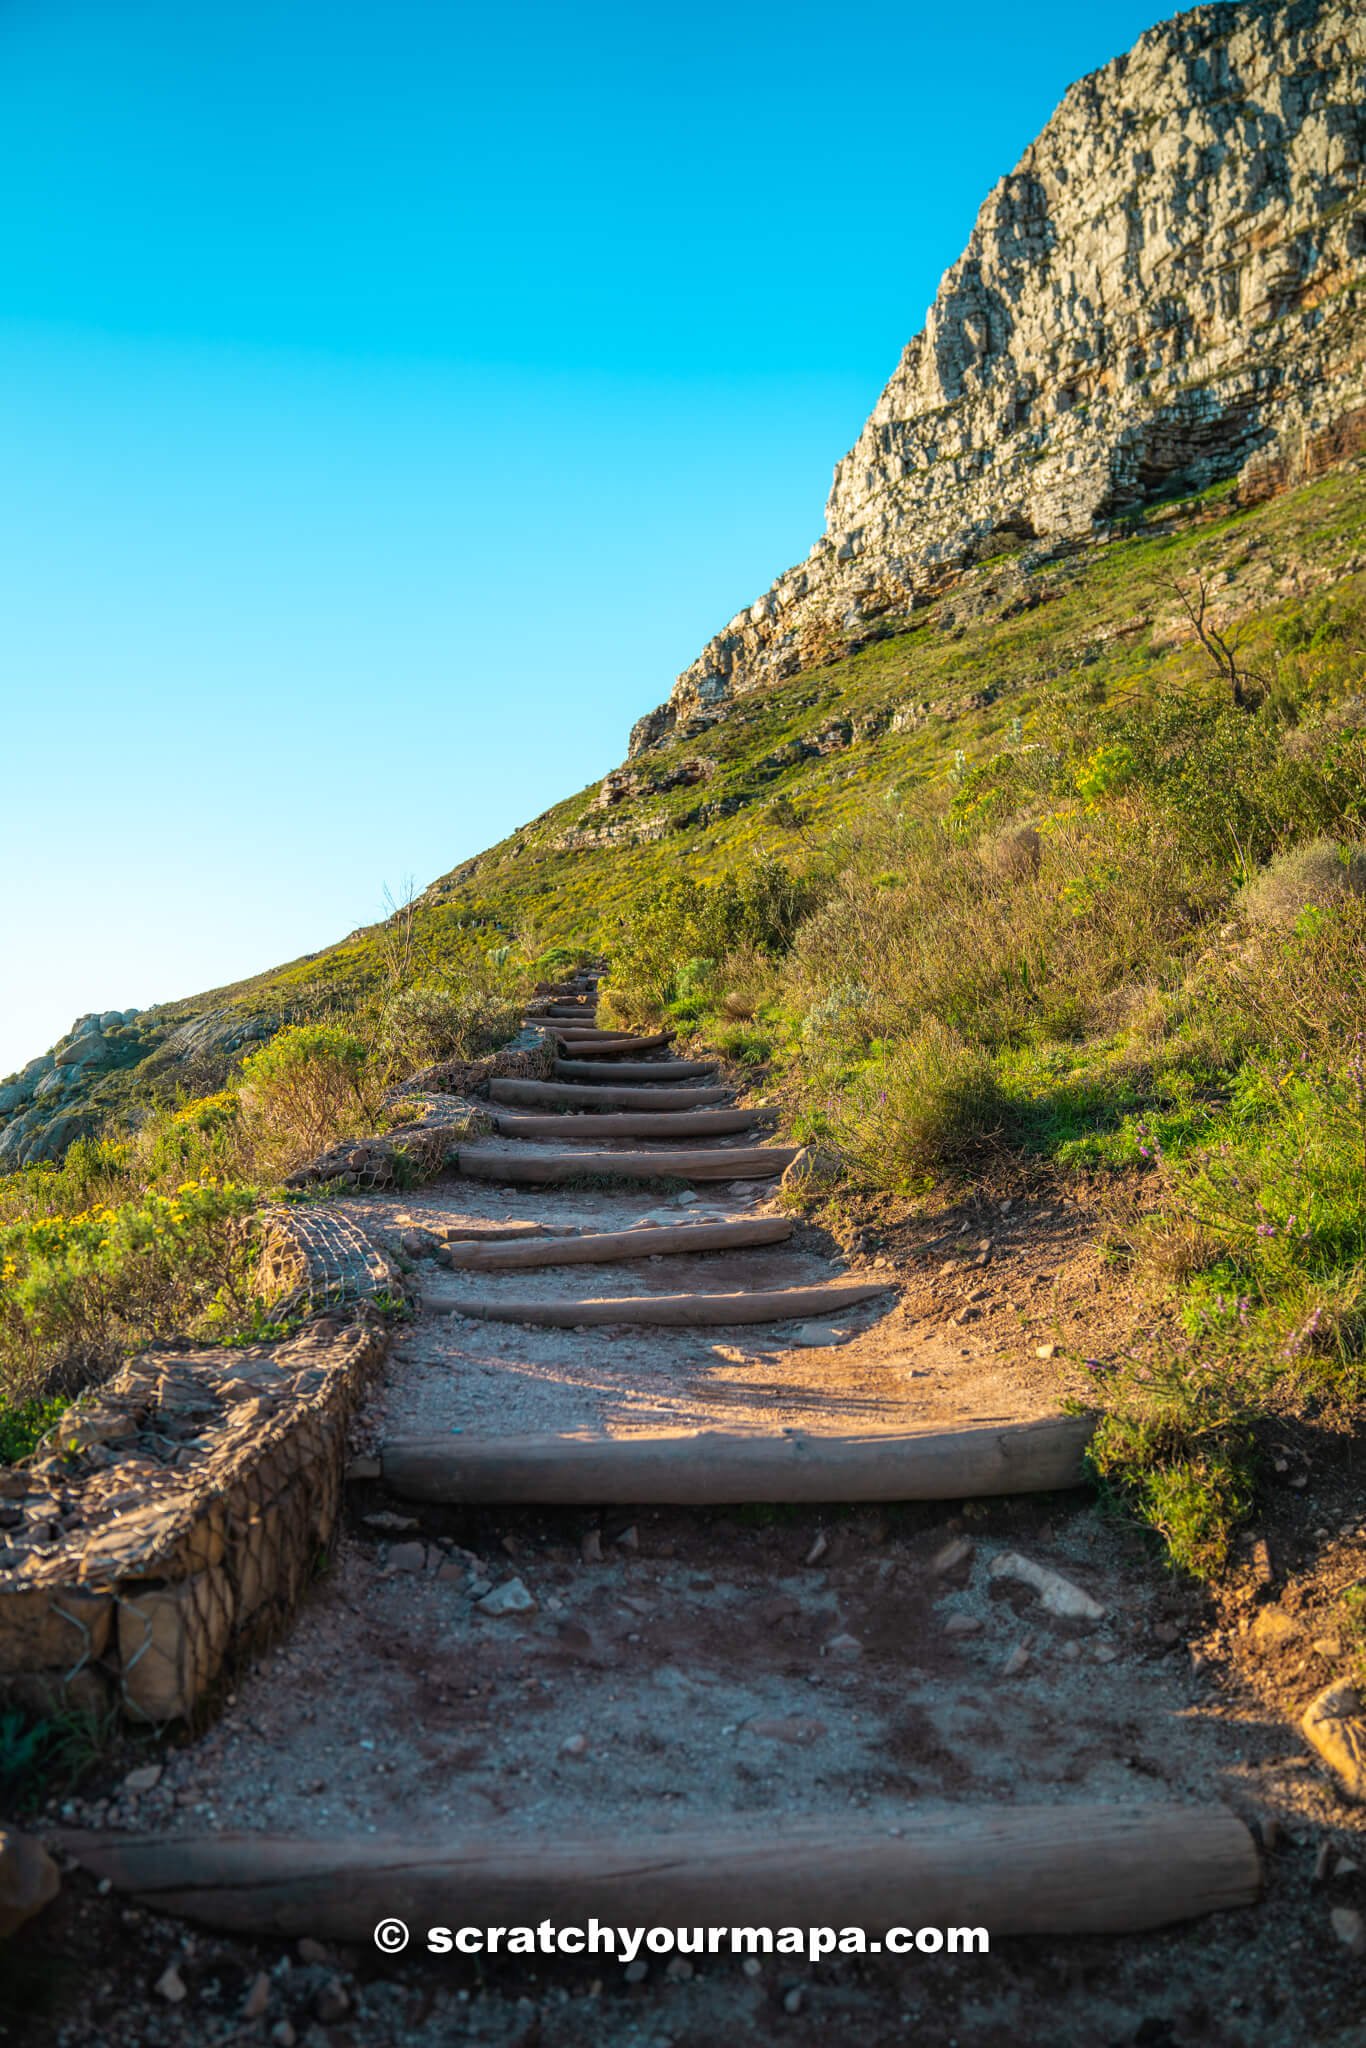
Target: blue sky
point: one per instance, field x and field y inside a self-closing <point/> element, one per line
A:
<point x="394" y="397"/>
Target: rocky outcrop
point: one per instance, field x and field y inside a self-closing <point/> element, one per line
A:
<point x="1166" y="292"/>
<point x="42" y="1107"/>
<point x="62" y="1095"/>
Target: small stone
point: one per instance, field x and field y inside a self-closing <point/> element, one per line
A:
<point x="1323" y="1860"/>
<point x="955" y="1552"/>
<point x="386" y="1524"/>
<point x="1045" y="1350"/>
<point x="1057" y="1594"/>
<point x="1104" y="1653"/>
<point x="1269" y="1828"/>
<point x="170" y="1985"/>
<point x="1015" y="1662"/>
<point x="629" y="1539"/>
<point x="794" y="1999"/>
<point x="793" y="1728"/>
<point x="258" y="1997"/>
<point x="590" y="1546"/>
<point x="1350" y="1929"/>
<point x="1328" y="1647"/>
<point x="1336" y="1726"/>
<point x="678" y="1970"/>
<point x="28" y="1879"/>
<point x="1273" y="1630"/>
<point x="1167" y="1633"/>
<point x="1070" y="1653"/>
<point x="846" y="1647"/>
<point x="962" y="1625"/>
<point x="574" y="1745"/>
<point x="751" y="1967"/>
<point x="311" y="1951"/>
<point x="511" y="1597"/>
<point x="144" y="1779"/>
<point x="333" y="2002"/>
<point x="818" y="1548"/>
<point x="407" y="1557"/>
<point x="637" y="1972"/>
<point x="1345" y="1867"/>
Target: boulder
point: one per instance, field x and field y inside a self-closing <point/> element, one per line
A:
<point x="28" y="1879"/>
<point x="1335" y="1722"/>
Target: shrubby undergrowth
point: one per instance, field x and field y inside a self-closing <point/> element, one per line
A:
<point x="1132" y="938"/>
<point x="154" y="1230"/>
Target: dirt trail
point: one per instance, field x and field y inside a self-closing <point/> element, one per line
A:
<point x="530" y="1674"/>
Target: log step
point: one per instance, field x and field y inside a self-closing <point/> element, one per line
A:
<point x="600" y="1247"/>
<point x="697" y="1123"/>
<point x="584" y="1095"/>
<point x="674" y="1311"/>
<point x="1068" y="1868"/>
<point x="635" y="1070"/>
<point x="588" y="1048"/>
<point x="718" y="1468"/>
<point x="737" y="1162"/>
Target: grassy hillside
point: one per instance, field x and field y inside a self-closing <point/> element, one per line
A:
<point x="1030" y="875"/>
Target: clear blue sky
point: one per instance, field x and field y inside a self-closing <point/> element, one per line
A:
<point x="394" y="397"/>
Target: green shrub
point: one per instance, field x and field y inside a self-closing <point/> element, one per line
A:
<point x="305" y="1091"/>
<point x="1316" y="876"/>
<point x="926" y="1099"/>
<point x="76" y="1291"/>
<point x="431" y="1022"/>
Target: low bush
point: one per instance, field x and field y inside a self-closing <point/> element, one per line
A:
<point x="430" y="1022"/>
<point x="78" y="1291"/>
<point x="305" y="1091"/>
<point x="1314" y="876"/>
<point x="926" y="1098"/>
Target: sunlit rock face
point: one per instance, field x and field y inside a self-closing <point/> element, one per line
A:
<point x="1166" y="292"/>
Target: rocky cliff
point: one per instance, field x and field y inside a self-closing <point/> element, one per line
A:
<point x="1166" y="292"/>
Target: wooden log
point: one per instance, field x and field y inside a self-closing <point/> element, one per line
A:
<point x="674" y="1311"/>
<point x="734" y="1162"/>
<point x="602" y="1247"/>
<point x="609" y="1048"/>
<point x="1066" y="1868"/>
<point x="635" y="1070"/>
<point x="584" y="1095"/>
<point x="625" y="1123"/>
<point x="485" y="1233"/>
<point x="572" y="1030"/>
<point x="720" y="1468"/>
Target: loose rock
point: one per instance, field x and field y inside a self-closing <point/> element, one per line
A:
<point x="511" y="1597"/>
<point x="1057" y="1594"/>
<point x="1336" y="1726"/>
<point x="28" y="1879"/>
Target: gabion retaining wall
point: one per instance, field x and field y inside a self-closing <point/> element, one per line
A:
<point x="174" y="1516"/>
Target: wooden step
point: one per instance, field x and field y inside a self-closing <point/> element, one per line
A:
<point x="587" y="1048"/>
<point x="625" y="1123"/>
<point x="634" y="1070"/>
<point x="583" y="1095"/>
<point x="673" y="1311"/>
<point x="720" y="1468"/>
<point x="737" y="1162"/>
<point x="1069" y="1868"/>
<point x="597" y="1247"/>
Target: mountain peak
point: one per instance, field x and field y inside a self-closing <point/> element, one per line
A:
<point x="1164" y="293"/>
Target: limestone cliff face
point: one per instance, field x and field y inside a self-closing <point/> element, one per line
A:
<point x="1167" y="291"/>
